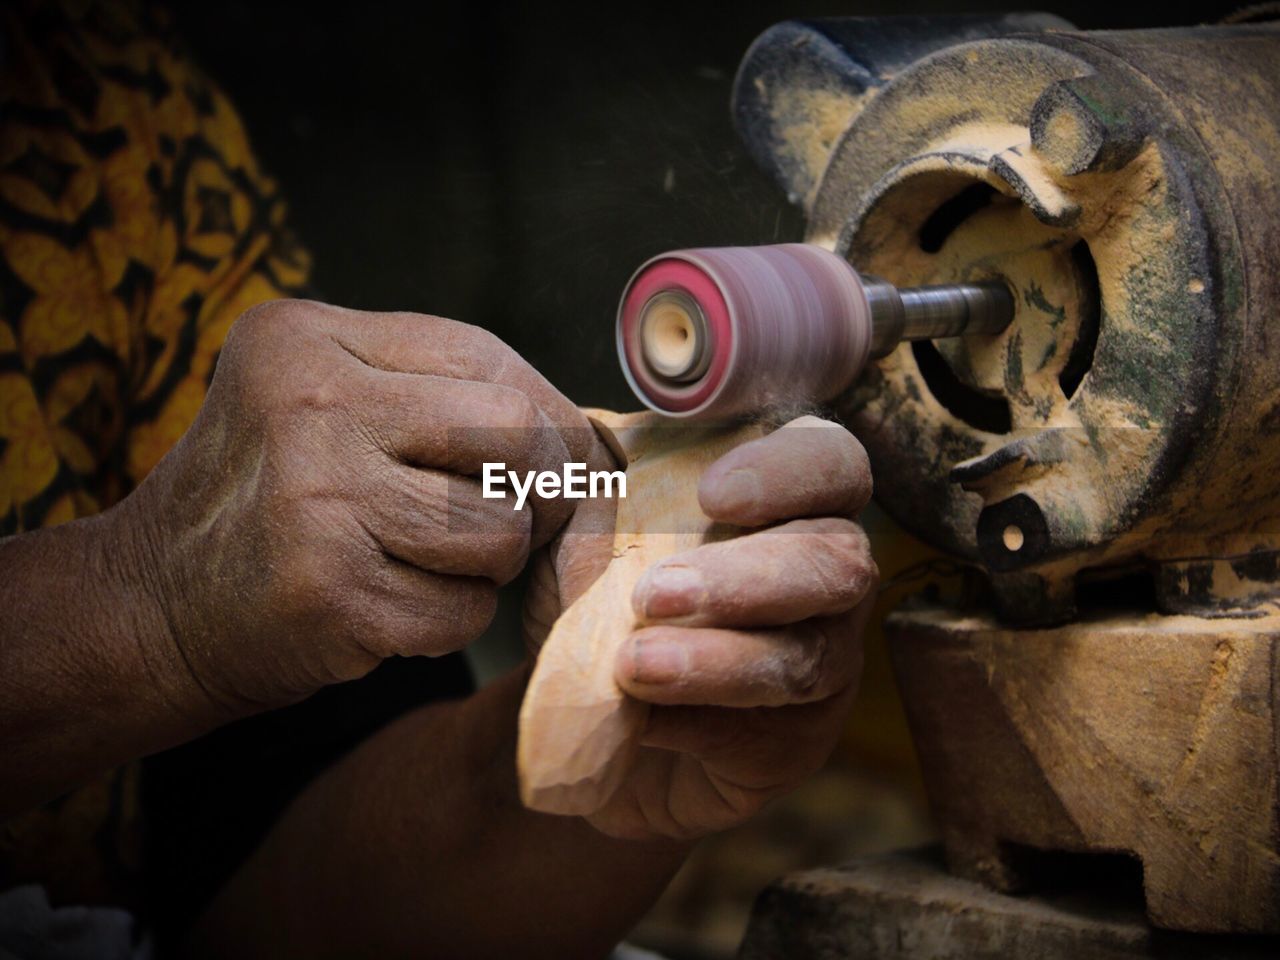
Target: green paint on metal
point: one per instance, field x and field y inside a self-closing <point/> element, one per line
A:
<point x="1034" y="295"/>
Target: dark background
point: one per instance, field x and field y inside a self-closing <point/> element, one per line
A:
<point x="511" y="165"/>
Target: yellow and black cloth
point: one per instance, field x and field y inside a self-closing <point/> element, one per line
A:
<point x="135" y="226"/>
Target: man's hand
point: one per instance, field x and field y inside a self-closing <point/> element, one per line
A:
<point x="323" y="513"/>
<point x="752" y="652"/>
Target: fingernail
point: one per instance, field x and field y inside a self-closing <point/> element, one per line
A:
<point x="672" y="591"/>
<point x="657" y="662"/>
<point x="739" y="491"/>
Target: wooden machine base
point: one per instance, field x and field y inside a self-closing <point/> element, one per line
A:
<point x="1147" y="739"/>
<point x="905" y="906"/>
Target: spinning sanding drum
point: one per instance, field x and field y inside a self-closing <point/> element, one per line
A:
<point x="719" y="331"/>
<point x="722" y="332"/>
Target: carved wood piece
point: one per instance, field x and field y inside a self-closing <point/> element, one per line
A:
<point x="578" y="731"/>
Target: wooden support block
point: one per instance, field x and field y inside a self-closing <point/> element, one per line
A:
<point x="578" y="731"/>
<point x="1138" y="734"/>
<point x="905" y="906"/>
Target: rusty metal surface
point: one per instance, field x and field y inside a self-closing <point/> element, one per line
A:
<point x="1125" y="185"/>
<point x="802" y="81"/>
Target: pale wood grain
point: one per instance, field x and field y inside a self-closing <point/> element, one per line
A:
<point x="578" y="730"/>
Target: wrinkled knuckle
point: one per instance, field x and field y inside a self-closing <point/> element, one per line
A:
<point x="252" y="322"/>
<point x="849" y="554"/>
<point x="278" y="318"/>
<point x="509" y="547"/>
<point x="839" y="439"/>
<point x="316" y="394"/>
<point x="836" y="563"/>
<point x="809" y="675"/>
<point x="516" y="412"/>
<point x="482" y="341"/>
<point x="850" y="543"/>
<point x="856" y="466"/>
<point x="851" y="448"/>
<point x="266" y="334"/>
<point x="520" y="529"/>
<point x="243" y="345"/>
<point x="872" y="573"/>
<point x="477" y="611"/>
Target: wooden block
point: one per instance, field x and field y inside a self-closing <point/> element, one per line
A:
<point x="905" y="906"/>
<point x="1153" y="736"/>
<point x="578" y="731"/>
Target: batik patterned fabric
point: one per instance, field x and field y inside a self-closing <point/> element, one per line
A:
<point x="135" y="226"/>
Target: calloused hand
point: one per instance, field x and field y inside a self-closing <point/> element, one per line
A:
<point x="323" y="511"/>
<point x="752" y="652"/>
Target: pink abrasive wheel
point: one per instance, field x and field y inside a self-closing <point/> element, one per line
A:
<point x="718" y="332"/>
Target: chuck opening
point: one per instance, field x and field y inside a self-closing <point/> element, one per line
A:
<point x="967" y="246"/>
<point x="674" y="342"/>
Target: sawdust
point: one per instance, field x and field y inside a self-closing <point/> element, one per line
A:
<point x="1063" y="132"/>
<point x="1120" y="216"/>
<point x="808" y="123"/>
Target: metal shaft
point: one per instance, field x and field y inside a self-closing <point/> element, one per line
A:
<point x="722" y="331"/>
<point x="925" y="313"/>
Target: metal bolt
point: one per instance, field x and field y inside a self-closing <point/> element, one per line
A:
<point x="1013" y="533"/>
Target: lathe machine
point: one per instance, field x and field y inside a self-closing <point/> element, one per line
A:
<point x="1099" y="213"/>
